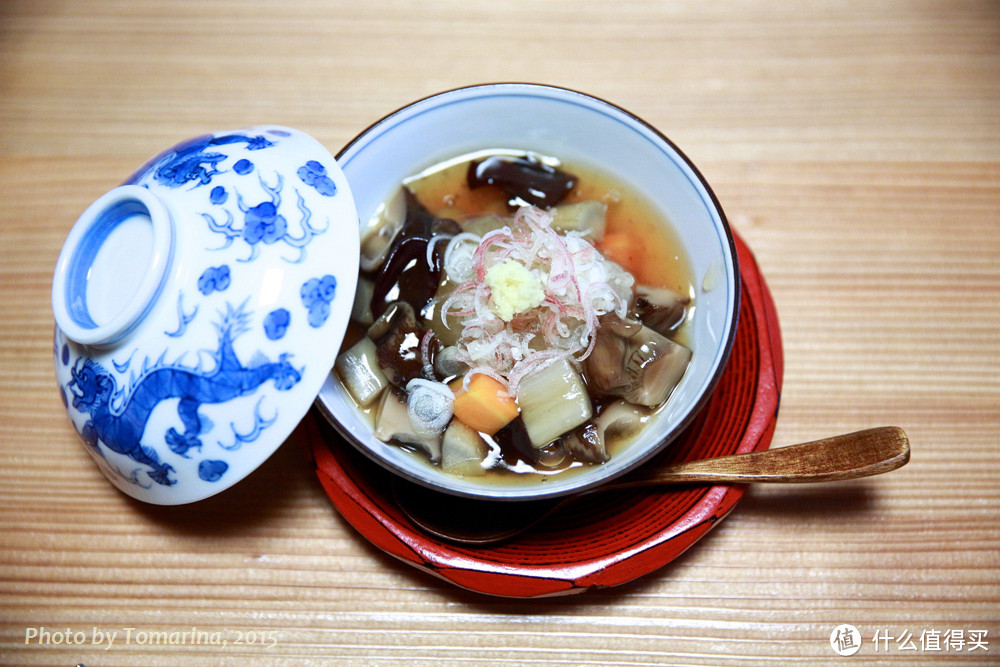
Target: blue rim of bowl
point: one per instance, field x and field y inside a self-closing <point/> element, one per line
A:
<point x="510" y="88"/>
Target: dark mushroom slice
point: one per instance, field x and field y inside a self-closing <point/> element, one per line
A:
<point x="618" y="419"/>
<point x="642" y="366"/>
<point x="527" y="179"/>
<point x="659" y="308"/>
<point x="658" y="364"/>
<point x="515" y="444"/>
<point x="605" y="368"/>
<point x="397" y="338"/>
<point x="586" y="444"/>
<point x="408" y="274"/>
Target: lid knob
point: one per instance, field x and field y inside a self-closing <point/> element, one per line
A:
<point x="112" y="266"/>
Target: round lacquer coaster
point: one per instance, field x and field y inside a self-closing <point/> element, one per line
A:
<point x="602" y="539"/>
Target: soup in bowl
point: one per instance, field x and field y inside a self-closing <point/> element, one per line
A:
<point x="548" y="293"/>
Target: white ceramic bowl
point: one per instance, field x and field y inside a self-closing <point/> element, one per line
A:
<point x="578" y="129"/>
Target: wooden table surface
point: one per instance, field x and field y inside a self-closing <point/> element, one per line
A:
<point x="855" y="145"/>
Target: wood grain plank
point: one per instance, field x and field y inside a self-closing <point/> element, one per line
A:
<point x="853" y="144"/>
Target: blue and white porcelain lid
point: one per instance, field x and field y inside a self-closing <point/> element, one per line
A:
<point x="200" y="306"/>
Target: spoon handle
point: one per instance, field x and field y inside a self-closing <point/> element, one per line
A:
<point x="859" y="454"/>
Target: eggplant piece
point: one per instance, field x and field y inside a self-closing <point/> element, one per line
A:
<point x="659" y="308"/>
<point x="640" y="365"/>
<point x="525" y="178"/>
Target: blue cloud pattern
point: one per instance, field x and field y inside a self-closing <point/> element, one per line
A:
<point x="317" y="295"/>
<point x="218" y="195"/>
<point x="212" y="470"/>
<point x="214" y="279"/>
<point x="313" y="173"/>
<point x="276" y="323"/>
<point x="243" y="167"/>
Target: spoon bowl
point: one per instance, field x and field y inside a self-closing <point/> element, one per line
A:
<point x="842" y="457"/>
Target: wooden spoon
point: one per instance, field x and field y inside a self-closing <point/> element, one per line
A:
<point x="468" y="521"/>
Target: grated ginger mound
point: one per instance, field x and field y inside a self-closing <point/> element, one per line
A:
<point x="513" y="289"/>
<point x="529" y="296"/>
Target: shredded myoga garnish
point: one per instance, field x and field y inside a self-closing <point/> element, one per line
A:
<point x="569" y="285"/>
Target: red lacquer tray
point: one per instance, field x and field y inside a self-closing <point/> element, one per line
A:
<point x="603" y="539"/>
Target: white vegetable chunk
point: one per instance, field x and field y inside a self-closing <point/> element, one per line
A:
<point x="361" y="310"/>
<point x="588" y="217"/>
<point x="553" y="400"/>
<point x="484" y="224"/>
<point x="377" y="234"/>
<point x="463" y="451"/>
<point x="359" y="371"/>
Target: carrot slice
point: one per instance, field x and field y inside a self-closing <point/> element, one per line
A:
<point x="485" y="405"/>
<point x="623" y="249"/>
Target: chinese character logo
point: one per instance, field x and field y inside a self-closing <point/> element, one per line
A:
<point x="845" y="640"/>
